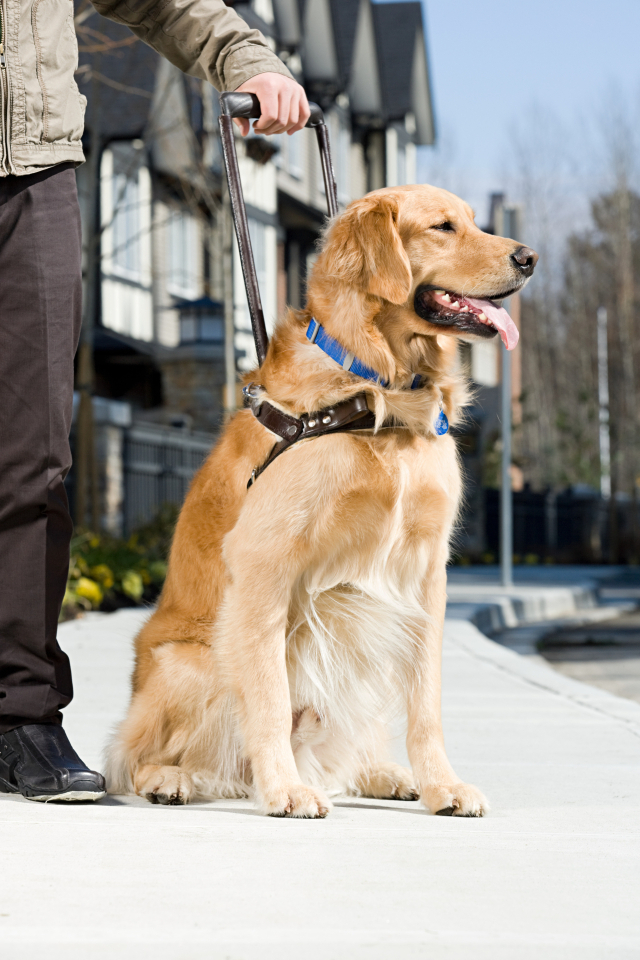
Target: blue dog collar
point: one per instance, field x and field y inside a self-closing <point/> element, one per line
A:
<point x="348" y="361"/>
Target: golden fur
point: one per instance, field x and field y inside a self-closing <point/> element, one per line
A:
<point x="300" y="615"/>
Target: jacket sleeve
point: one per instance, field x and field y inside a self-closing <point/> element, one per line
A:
<point x="205" y="38"/>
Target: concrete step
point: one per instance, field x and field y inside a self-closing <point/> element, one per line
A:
<point x="493" y="608"/>
<point x="531" y="602"/>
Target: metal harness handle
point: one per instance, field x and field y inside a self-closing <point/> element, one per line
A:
<point x="247" y="105"/>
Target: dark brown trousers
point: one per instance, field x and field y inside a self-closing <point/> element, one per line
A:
<point x="40" y="315"/>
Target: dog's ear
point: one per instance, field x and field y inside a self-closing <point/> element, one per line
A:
<point x="365" y="249"/>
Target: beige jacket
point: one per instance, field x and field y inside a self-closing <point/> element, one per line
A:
<point x="41" y="108"/>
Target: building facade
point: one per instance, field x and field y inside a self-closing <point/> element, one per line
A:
<point x="167" y="283"/>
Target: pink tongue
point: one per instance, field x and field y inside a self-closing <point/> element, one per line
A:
<point x="500" y="319"/>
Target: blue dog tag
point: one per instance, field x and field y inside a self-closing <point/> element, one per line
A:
<point x="442" y="424"/>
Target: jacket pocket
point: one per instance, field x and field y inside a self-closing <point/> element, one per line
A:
<point x="56" y="49"/>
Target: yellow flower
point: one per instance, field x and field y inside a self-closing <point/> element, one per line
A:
<point x="72" y="599"/>
<point x="132" y="585"/>
<point x="102" y="573"/>
<point x="90" y="590"/>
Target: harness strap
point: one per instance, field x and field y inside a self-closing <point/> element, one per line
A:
<point x="352" y="414"/>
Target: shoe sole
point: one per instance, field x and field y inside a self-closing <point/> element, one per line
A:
<point x="70" y="795"/>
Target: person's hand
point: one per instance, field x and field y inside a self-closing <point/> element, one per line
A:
<point x="283" y="104"/>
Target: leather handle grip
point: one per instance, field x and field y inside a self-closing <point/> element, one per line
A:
<point x="247" y="105"/>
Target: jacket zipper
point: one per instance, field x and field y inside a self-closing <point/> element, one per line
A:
<point x="5" y="101"/>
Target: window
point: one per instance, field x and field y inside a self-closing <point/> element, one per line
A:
<point x="264" y="244"/>
<point x="278" y="157"/>
<point x="290" y="155"/>
<point x="257" y="235"/>
<point x="294" y="154"/>
<point x="127" y="225"/>
<point x="257" y="232"/>
<point x="183" y="255"/>
<point x="204" y="324"/>
<point x="125" y="200"/>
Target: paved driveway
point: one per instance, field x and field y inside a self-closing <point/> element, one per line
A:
<point x="606" y="654"/>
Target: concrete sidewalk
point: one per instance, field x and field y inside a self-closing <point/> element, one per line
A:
<point x="552" y="873"/>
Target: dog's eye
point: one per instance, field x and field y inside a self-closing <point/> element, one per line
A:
<point x="446" y="226"/>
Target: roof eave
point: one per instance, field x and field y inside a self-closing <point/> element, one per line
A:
<point x="421" y="94"/>
<point x="365" y="85"/>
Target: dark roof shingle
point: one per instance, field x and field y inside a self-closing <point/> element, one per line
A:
<point x="396" y="25"/>
<point x="344" y="14"/>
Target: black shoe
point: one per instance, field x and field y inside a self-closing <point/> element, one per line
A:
<point x="38" y="761"/>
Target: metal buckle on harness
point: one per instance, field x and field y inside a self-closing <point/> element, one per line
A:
<point x="251" y="394"/>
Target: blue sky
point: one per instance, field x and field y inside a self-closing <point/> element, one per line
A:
<point x="495" y="63"/>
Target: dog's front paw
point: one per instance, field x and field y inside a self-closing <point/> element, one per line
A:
<point x="164" y="784"/>
<point x="455" y="800"/>
<point x="296" y="801"/>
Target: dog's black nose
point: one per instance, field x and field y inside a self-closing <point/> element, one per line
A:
<point x="524" y="260"/>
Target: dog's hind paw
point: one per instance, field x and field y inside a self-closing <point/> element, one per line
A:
<point x="296" y="801"/>
<point x="455" y="800"/>
<point x="166" y="785"/>
<point x="388" y="781"/>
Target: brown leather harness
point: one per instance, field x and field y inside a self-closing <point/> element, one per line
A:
<point x="349" y="415"/>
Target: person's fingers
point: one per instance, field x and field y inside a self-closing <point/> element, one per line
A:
<point x="283" y="104"/>
<point x="244" y="125"/>
<point x="281" y="121"/>
<point x="303" y="112"/>
<point x="294" y="114"/>
<point x="286" y="103"/>
<point x="269" y="107"/>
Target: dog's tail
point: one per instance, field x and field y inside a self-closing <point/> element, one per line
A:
<point x="117" y="765"/>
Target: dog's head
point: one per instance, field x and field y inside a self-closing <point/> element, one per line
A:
<point x="417" y="251"/>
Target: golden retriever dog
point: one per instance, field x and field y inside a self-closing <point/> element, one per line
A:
<point x="301" y="613"/>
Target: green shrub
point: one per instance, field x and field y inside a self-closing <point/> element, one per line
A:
<point x="107" y="572"/>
